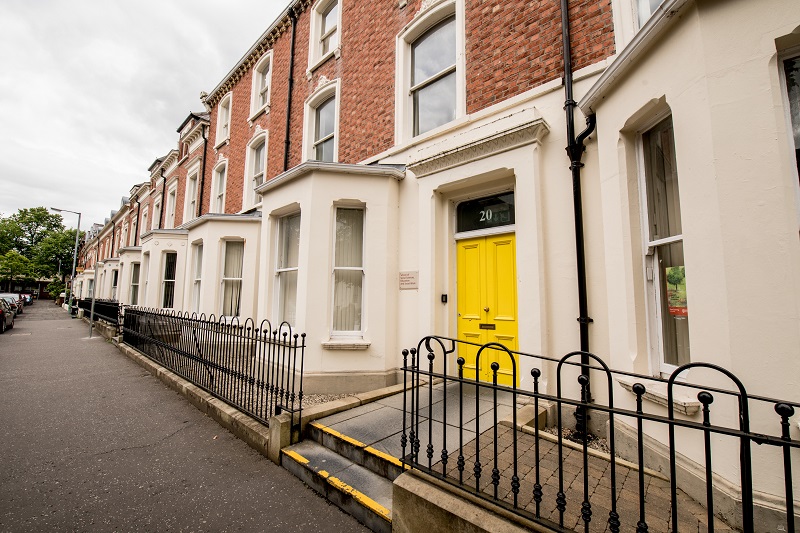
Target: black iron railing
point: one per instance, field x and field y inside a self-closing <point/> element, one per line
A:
<point x="258" y="370"/>
<point x="105" y="310"/>
<point x="665" y="465"/>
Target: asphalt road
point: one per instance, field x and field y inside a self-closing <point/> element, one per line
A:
<point x="89" y="441"/>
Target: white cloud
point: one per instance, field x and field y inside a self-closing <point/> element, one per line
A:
<point x="93" y="91"/>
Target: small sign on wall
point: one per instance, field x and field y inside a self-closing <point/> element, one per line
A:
<point x="409" y="280"/>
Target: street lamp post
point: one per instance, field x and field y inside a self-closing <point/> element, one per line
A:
<point x="74" y="255"/>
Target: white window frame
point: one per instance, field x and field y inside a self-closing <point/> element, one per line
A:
<point x="315" y="55"/>
<point x="643" y="12"/>
<point x="197" y="275"/>
<point x="114" y="283"/>
<point x="172" y="201"/>
<point x="256" y="107"/>
<point x="90" y="288"/>
<point x="133" y="297"/>
<point x="223" y="279"/>
<point x="156" y="222"/>
<point x="426" y="19"/>
<point x="190" y="201"/>
<point x="249" y="197"/>
<point x="279" y="296"/>
<point x="165" y="280"/>
<point x="653" y="276"/>
<point x="320" y="96"/>
<point x="145" y="213"/>
<point x="217" y="204"/>
<point x="124" y="242"/>
<point x="349" y="333"/>
<point x="224" y="114"/>
<point x="145" y="276"/>
<point x="784" y="56"/>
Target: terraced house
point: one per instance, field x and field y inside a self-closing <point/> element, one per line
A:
<point x="375" y="172"/>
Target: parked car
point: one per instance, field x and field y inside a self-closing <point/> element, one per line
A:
<point x="15" y="302"/>
<point x="28" y="297"/>
<point x="6" y="316"/>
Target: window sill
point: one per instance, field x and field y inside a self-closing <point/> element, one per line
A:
<point x="258" y="112"/>
<point x="346" y="344"/>
<point x="337" y="52"/>
<point x="222" y="143"/>
<point x="656" y="392"/>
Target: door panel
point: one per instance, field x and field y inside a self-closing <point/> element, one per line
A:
<point x="487" y="303"/>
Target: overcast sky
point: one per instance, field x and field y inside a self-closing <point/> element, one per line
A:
<point x="92" y="91"/>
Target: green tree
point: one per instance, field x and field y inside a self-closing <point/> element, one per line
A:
<point x="28" y="227"/>
<point x="10" y="234"/>
<point x="14" y="266"/>
<point x="57" y="245"/>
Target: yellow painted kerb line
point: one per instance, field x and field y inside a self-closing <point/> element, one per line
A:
<point x="361" y="498"/>
<point x="338" y="435"/>
<point x="386" y="457"/>
<point x="296" y="456"/>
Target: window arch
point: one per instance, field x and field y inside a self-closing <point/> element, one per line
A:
<point x="256" y="169"/>
<point x="321" y="130"/>
<point x="262" y="79"/>
<point x="218" y="187"/>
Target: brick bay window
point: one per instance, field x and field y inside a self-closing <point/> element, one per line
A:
<point x="322" y="124"/>
<point x="664" y="262"/>
<point x="287" y="267"/>
<point x="326" y="20"/>
<point x="168" y="281"/>
<point x="348" y="271"/>
<point x="232" y="278"/>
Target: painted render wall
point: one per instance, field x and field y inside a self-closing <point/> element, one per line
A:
<point x="716" y="72"/>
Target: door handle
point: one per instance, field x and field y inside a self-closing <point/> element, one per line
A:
<point x="486" y="309"/>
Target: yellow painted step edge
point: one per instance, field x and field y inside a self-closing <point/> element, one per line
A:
<point x="369" y="449"/>
<point x="340" y="485"/>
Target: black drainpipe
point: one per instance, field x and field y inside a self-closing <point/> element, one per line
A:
<point x="163" y="191"/>
<point x="138" y="221"/>
<point x="293" y="18"/>
<point x="113" y="236"/>
<point x="575" y="150"/>
<point x="199" y="209"/>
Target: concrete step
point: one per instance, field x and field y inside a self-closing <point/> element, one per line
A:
<point x="356" y="490"/>
<point x="360" y="453"/>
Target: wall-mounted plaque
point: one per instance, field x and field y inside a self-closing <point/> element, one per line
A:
<point x="409" y="280"/>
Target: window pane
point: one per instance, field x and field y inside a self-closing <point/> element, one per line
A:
<point x="170" y="263"/>
<point x="198" y="261"/>
<point x="349" y="237"/>
<point x="258" y="159"/>
<point x="792" y="71"/>
<point x="663" y="199"/>
<point x="234" y="256"/>
<point x="290" y="242"/>
<point x="329" y="21"/>
<point x="674" y="308"/>
<point x="324" y="151"/>
<point x="329" y="17"/>
<point x="435" y="104"/>
<point x="134" y="297"/>
<point x="434" y="51"/>
<point x="288" y="296"/>
<point x="347" y="300"/>
<point x="231" y="296"/>
<point x="326" y="114"/>
<point x="646" y="8"/>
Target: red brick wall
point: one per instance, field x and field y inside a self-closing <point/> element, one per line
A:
<point x="512" y="46"/>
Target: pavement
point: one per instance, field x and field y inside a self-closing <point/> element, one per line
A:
<point x="90" y="441"/>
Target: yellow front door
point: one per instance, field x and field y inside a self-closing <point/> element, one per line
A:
<point x="487" y="304"/>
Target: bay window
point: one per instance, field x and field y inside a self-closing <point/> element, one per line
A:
<point x="348" y="271"/>
<point x="232" y="278"/>
<point x="287" y="267"/>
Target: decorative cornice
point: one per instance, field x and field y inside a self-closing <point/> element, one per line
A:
<point x="195" y="133"/>
<point x="531" y="132"/>
<point x="265" y="42"/>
